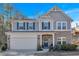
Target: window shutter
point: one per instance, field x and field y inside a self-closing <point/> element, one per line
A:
<point x="27" y="25"/>
<point x="48" y="25"/>
<point x="34" y="25"/>
<point x="17" y="25"/>
<point x="24" y="25"/>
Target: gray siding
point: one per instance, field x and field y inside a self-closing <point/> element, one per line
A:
<point x="66" y="34"/>
<point x="60" y="16"/>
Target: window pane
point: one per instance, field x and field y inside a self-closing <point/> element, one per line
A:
<point x="59" y="26"/>
<point x="64" y="42"/>
<point x="30" y="25"/>
<point x="64" y="38"/>
<point x="48" y="25"/>
<point x="21" y="24"/>
<point x="45" y="25"/>
<point x="58" y="42"/>
<point x="63" y="25"/>
<point x="59" y="38"/>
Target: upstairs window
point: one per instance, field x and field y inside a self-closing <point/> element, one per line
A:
<point x="31" y="26"/>
<point x="61" y="25"/>
<point x="64" y="25"/>
<point x="20" y="25"/>
<point x="45" y="25"/>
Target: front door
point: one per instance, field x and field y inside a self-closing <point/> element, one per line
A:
<point x="45" y="44"/>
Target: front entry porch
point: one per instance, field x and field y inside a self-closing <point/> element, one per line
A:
<point x="45" y="40"/>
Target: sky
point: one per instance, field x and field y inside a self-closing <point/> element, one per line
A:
<point x="33" y="10"/>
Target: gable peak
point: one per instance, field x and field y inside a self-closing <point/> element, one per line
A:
<point x="55" y="8"/>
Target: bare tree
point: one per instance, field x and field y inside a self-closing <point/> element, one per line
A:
<point x="3" y="37"/>
<point x="8" y="9"/>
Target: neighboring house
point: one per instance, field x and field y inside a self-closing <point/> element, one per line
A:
<point x="51" y="28"/>
<point x="75" y="24"/>
<point x="75" y="32"/>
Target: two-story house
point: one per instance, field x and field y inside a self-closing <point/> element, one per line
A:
<point x="52" y="28"/>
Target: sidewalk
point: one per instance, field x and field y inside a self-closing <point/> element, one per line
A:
<point x="59" y="53"/>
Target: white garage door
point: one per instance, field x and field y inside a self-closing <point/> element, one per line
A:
<point x="23" y="43"/>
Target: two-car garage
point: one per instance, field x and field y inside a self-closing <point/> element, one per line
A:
<point x="23" y="41"/>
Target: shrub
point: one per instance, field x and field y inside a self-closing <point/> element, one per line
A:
<point x="57" y="48"/>
<point x="51" y="47"/>
<point x="68" y="47"/>
<point x="4" y="47"/>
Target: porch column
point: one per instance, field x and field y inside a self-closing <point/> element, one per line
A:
<point x="8" y="42"/>
<point x="40" y="40"/>
<point x="53" y="41"/>
<point x="40" y="25"/>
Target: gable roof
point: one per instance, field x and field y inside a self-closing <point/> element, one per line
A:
<point x="56" y="12"/>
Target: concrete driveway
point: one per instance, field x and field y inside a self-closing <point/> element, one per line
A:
<point x="20" y="53"/>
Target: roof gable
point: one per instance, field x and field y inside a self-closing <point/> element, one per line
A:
<point x="56" y="13"/>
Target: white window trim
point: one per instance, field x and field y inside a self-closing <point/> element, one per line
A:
<point x="19" y="26"/>
<point x="46" y="29"/>
<point x="61" y="39"/>
<point x="32" y="26"/>
<point x="61" y="25"/>
<point x="66" y="25"/>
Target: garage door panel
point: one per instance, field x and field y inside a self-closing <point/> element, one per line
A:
<point x="23" y="43"/>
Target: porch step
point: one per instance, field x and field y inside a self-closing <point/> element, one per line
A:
<point x="45" y="50"/>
